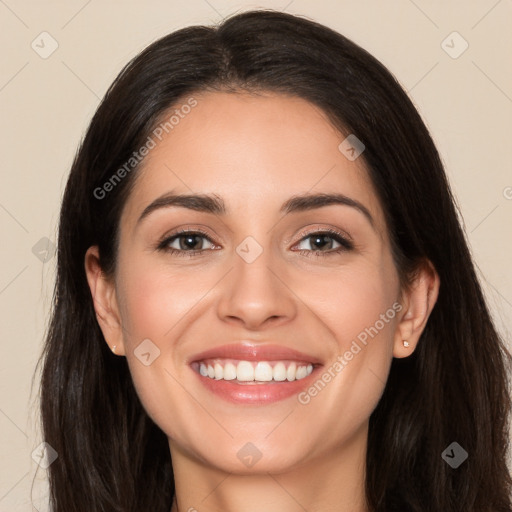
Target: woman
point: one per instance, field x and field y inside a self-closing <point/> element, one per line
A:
<point x="264" y="297"/>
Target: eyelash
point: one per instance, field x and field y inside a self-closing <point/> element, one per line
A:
<point x="346" y="245"/>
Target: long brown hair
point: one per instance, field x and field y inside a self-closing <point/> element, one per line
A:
<point x="111" y="456"/>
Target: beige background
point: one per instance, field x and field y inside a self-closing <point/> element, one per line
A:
<point x="47" y="104"/>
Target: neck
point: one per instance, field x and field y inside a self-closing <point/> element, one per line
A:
<point x="332" y="481"/>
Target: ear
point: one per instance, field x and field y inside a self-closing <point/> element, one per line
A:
<point x="105" y="303"/>
<point x="418" y="303"/>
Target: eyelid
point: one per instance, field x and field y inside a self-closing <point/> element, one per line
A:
<point x="187" y="230"/>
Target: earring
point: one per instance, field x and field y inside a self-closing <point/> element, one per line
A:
<point x="114" y="349"/>
<point x="406" y="343"/>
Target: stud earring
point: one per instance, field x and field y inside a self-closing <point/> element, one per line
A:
<point x="114" y="349"/>
<point x="406" y="343"/>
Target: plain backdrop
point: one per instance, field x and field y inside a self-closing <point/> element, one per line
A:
<point x="453" y="58"/>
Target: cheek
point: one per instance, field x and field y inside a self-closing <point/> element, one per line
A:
<point x="158" y="305"/>
<point x="350" y="300"/>
<point x="359" y="309"/>
<point x="155" y="299"/>
<point x="366" y="325"/>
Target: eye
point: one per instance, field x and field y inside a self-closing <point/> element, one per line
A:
<point x="184" y="243"/>
<point x="320" y="240"/>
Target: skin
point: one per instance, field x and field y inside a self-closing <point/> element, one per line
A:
<point x="256" y="151"/>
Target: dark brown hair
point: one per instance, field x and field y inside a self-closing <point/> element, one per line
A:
<point x="454" y="387"/>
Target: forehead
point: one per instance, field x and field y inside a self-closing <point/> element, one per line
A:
<point x="254" y="151"/>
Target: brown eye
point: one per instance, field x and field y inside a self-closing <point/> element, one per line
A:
<point x="325" y="242"/>
<point x="184" y="243"/>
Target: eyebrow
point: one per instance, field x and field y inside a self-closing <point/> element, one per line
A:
<point x="215" y="205"/>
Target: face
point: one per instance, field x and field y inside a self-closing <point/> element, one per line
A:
<point x="256" y="281"/>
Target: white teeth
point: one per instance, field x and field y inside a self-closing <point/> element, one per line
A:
<point x="244" y="371"/>
<point x="302" y="372"/>
<point x="219" y="372"/>
<point x="263" y="372"/>
<point x="290" y="373"/>
<point x="279" y="372"/>
<point x="229" y="371"/>
<point x="247" y="371"/>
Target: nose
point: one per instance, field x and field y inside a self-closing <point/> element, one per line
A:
<point x="257" y="293"/>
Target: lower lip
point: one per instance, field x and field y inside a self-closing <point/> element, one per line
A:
<point x="255" y="393"/>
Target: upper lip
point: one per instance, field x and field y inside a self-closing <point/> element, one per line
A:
<point x="247" y="351"/>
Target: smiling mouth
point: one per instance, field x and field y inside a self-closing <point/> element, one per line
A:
<point x="253" y="372"/>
